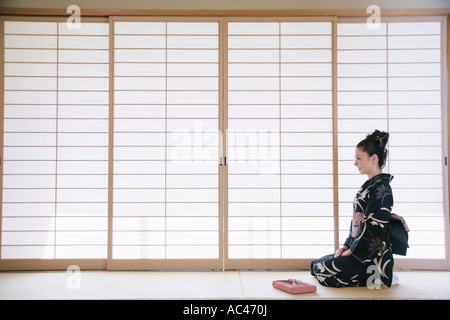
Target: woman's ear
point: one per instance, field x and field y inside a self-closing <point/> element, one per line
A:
<point x="374" y="159"/>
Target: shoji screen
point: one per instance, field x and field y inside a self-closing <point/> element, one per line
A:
<point x="390" y="78"/>
<point x="55" y="156"/>
<point x="280" y="157"/>
<point x="166" y="121"/>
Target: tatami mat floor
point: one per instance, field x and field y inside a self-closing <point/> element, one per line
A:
<point x="205" y="285"/>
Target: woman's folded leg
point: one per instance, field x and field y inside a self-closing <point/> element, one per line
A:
<point x="343" y="271"/>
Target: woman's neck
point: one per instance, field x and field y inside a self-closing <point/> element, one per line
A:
<point x="374" y="173"/>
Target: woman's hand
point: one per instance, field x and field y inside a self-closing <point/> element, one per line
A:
<point x="340" y="252"/>
<point x="347" y="252"/>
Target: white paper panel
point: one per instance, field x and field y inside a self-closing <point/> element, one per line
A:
<point x="192" y="42"/>
<point x="141" y="55"/>
<point x="28" y="209"/>
<point x="30" y="55"/>
<point x="256" y="252"/>
<point x="352" y="29"/>
<point x="190" y="28"/>
<point x="140" y="69"/>
<point x="28" y="252"/>
<point x="265" y="28"/>
<point x="306" y="42"/>
<point x="306" y="83"/>
<point x="30" y="69"/>
<point x="29" y="153"/>
<point x="422" y="55"/>
<point x="139" y="209"/>
<point x="85" y="28"/>
<point x="83" y="70"/>
<point x="192" y="55"/>
<point x="81" y="252"/>
<point x="131" y="41"/>
<point x="139" y="238"/>
<point x="85" y="56"/>
<point x="361" y="70"/>
<point x="88" y="84"/>
<point x="139" y="27"/>
<point x="141" y="83"/>
<point x="30" y="42"/>
<point x="306" y="70"/>
<point x="139" y="153"/>
<point x="186" y="252"/>
<point x="29" y="139"/>
<point x="266" y="42"/>
<point x="414" y="28"/>
<point x="30" y="125"/>
<point x="416" y="42"/>
<point x="24" y="27"/>
<point x="29" y="167"/>
<point x="362" y="43"/>
<point x="363" y="56"/>
<point x="29" y="97"/>
<point x="83" y="181"/>
<point x="192" y="84"/>
<point x="28" y="181"/>
<point x="140" y="181"/>
<point x="30" y="83"/>
<point x="28" y="238"/>
<point x="306" y="28"/>
<point x="79" y="42"/>
<point x="293" y="55"/>
<point x="262" y="55"/>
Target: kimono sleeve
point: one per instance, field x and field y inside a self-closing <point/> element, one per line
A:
<point x="371" y="235"/>
<point x="349" y="239"/>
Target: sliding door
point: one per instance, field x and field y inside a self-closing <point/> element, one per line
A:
<point x="165" y="203"/>
<point x="55" y="141"/>
<point x="280" y="142"/>
<point x="392" y="77"/>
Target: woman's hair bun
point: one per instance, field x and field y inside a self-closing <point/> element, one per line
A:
<point x="375" y="143"/>
<point x="379" y="138"/>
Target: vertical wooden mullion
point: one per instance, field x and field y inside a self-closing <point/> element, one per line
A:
<point x="446" y="105"/>
<point x="56" y="137"/>
<point x="335" y="136"/>
<point x="165" y="145"/>
<point x="2" y="111"/>
<point x="280" y="141"/>
<point x="110" y="143"/>
<point x="221" y="145"/>
<point x="223" y="131"/>
<point x="387" y="89"/>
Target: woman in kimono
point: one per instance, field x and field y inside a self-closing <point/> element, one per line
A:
<point x="366" y="252"/>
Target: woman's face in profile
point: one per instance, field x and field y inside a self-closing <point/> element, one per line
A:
<point x="364" y="162"/>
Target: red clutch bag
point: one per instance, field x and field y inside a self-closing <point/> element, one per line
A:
<point x="294" y="286"/>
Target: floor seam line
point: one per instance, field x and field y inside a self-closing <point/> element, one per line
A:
<point x="242" y="286"/>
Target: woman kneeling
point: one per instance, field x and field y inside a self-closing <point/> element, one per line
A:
<point x="366" y="249"/>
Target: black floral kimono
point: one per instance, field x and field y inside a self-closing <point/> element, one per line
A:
<point x="367" y="240"/>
